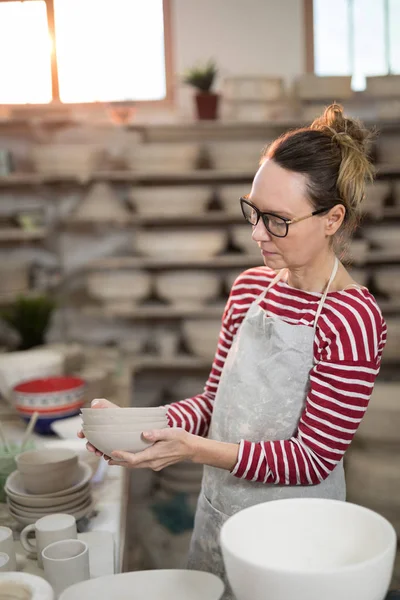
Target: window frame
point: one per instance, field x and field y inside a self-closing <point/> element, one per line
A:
<point x="166" y="102"/>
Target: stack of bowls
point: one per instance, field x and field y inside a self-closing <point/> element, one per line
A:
<point x="52" y="397"/>
<point x="110" y="429"/>
<point x="48" y="481"/>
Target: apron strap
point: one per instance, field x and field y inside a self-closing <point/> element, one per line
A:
<point x="322" y="301"/>
<point x="275" y="280"/>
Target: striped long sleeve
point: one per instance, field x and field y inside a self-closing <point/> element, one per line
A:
<point x="349" y="341"/>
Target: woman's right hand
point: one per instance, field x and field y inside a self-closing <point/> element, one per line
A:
<point x="97" y="403"/>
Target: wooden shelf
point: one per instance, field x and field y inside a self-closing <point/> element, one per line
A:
<point x="134" y="262"/>
<point x="377" y="257"/>
<point x="162" y="312"/>
<point x="180" y="362"/>
<point x="20" y="235"/>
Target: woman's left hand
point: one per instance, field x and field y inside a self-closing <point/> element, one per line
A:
<point x="171" y="445"/>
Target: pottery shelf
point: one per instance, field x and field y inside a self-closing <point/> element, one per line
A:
<point x="141" y="177"/>
<point x="169" y="312"/>
<point x="10" y="235"/>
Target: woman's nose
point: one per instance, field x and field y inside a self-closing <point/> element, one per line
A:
<point x="260" y="233"/>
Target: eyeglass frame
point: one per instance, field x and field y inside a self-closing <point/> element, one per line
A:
<point x="259" y="213"/>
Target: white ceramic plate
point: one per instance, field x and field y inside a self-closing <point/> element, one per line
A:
<point x="15" y="486"/>
<point x="160" y="584"/>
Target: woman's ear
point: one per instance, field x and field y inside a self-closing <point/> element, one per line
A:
<point x="334" y="219"/>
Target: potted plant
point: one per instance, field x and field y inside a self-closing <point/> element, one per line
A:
<point x="30" y="317"/>
<point x="202" y="79"/>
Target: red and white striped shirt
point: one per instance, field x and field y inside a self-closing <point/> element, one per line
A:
<point x="350" y="337"/>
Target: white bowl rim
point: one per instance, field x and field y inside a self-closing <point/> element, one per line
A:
<point x="323" y="571"/>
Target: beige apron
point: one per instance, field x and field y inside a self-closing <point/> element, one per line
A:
<point x="260" y="396"/>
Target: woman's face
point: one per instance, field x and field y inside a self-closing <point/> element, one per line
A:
<point x="283" y="193"/>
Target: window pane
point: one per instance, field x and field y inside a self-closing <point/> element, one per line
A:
<point x="394" y="36"/>
<point x="110" y="50"/>
<point x="331" y="37"/>
<point x="369" y="41"/>
<point x="25" y="70"/>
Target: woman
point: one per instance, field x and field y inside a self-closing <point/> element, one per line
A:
<point x="300" y="344"/>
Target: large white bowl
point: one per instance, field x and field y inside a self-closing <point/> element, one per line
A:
<point x="114" y="285"/>
<point x="178" y="244"/>
<point x="154" y="584"/>
<point x="202" y="336"/>
<point x="308" y="548"/>
<point x="172" y="201"/>
<point x="187" y="288"/>
<point x="107" y="442"/>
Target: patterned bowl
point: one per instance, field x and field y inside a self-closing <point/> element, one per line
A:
<point x="53" y="398"/>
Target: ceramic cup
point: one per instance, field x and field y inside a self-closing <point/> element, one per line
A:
<point x="4" y="562"/>
<point x="65" y="563"/>
<point x="48" y="529"/>
<point x="7" y="546"/>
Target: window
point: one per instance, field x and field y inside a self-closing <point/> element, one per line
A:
<point x="83" y="51"/>
<point x="356" y="37"/>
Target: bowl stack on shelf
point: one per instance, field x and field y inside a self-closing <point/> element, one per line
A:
<point x="67" y="160"/>
<point x="189" y="244"/>
<point x="254" y="98"/>
<point x="48" y="481"/>
<point x="187" y="289"/>
<point x="236" y="156"/>
<point x="201" y="336"/>
<point x="315" y="92"/>
<point x="119" y="290"/>
<point x="158" y="157"/>
<point x="372" y="463"/>
<point x="172" y="201"/>
<point x="101" y="204"/>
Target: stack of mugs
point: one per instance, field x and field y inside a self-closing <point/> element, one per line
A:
<point x="48" y="481"/>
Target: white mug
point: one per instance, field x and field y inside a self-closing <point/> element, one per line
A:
<point x="48" y="529"/>
<point x="4" y="562"/>
<point x="7" y="546"/>
<point x="65" y="563"/>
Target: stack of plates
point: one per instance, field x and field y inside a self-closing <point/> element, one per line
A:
<point x="26" y="508"/>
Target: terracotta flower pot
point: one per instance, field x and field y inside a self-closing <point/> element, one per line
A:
<point x="207" y="105"/>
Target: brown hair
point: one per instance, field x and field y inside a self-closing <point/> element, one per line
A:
<point x="333" y="155"/>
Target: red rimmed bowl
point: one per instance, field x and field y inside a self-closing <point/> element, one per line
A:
<point x="53" y="398"/>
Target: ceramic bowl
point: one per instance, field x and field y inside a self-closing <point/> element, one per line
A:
<point x="52" y="397"/>
<point x="107" y="442"/>
<point x="229" y="196"/>
<point x="187" y="288"/>
<point x="39" y="503"/>
<point x="174" y="244"/>
<point x="47" y="471"/>
<point x="202" y="336"/>
<point x="66" y="159"/>
<point x="14" y="486"/>
<point x="383" y="236"/>
<point x="160" y="584"/>
<point x="90" y="415"/>
<point x="388" y="280"/>
<point x="162" y="157"/>
<point x="115" y="285"/>
<point x="317" y="548"/>
<point x="236" y="155"/>
<point x="119" y="422"/>
<point x="241" y="237"/>
<point x="172" y="201"/>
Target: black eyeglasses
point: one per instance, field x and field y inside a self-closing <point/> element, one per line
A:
<point x="276" y="225"/>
